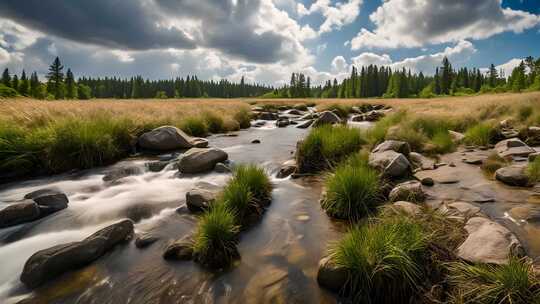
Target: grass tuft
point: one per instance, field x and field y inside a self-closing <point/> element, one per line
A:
<point x="513" y="283"/>
<point x="327" y="145"/>
<point x="255" y="180"/>
<point x="384" y="260"/>
<point x="216" y="237"/>
<point x="533" y="171"/>
<point x="214" y="122"/>
<point x="480" y="134"/>
<point x="493" y="163"/>
<point x="243" y="117"/>
<point x="195" y="126"/>
<point x="353" y="191"/>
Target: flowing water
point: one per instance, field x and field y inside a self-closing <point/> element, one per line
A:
<point x="279" y="255"/>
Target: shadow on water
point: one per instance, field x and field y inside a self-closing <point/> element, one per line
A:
<point x="279" y="255"/>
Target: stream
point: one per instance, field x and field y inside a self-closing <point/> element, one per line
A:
<point x="279" y="255"/>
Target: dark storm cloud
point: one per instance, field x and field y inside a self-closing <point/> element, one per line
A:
<point x="124" y="24"/>
<point x="131" y="25"/>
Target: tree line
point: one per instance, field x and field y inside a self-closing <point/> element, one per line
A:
<point x="381" y="81"/>
<point x="64" y="86"/>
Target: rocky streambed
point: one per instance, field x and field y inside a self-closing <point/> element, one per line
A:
<point x="108" y="229"/>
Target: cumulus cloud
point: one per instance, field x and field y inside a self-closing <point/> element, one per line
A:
<point x="460" y="53"/>
<point x="337" y="16"/>
<point x="506" y="68"/>
<point x="339" y="64"/>
<point x="415" y="23"/>
<point x="4" y="56"/>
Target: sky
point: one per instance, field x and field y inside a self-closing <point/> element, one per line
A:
<point x="264" y="40"/>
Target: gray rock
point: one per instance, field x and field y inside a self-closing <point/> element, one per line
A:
<point x="488" y="242"/>
<point x="331" y="276"/>
<point x="198" y="200"/>
<point x="197" y="160"/>
<point x="327" y="117"/>
<point x="390" y="163"/>
<point x="456" y="136"/>
<point x="179" y="250"/>
<point x="513" y="147"/>
<point x="474" y="160"/>
<point x="427" y="181"/>
<point x="256" y="141"/>
<point x="289" y="167"/>
<point x="373" y="115"/>
<point x="533" y="136"/>
<point x="282" y="122"/>
<point x="408" y="207"/>
<point x="144" y="241"/>
<point x="513" y="175"/>
<point x="48" y="263"/>
<point x="268" y="116"/>
<point x="421" y="162"/>
<point x="295" y="112"/>
<point x="305" y="124"/>
<point x="199" y="142"/>
<point x="156" y="166"/>
<point x="410" y="191"/>
<point x="49" y="201"/>
<point x="222" y="168"/>
<point x="118" y="173"/>
<point x="462" y="209"/>
<point x="394" y="145"/>
<point x="165" y="138"/>
<point x="18" y="213"/>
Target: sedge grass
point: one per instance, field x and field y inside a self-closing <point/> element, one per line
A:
<point x="480" y="134"/>
<point x="533" y="171"/>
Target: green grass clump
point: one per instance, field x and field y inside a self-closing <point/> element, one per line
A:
<point x="243" y="117"/>
<point x="480" y="134"/>
<point x="384" y="260"/>
<point x="214" y="122"/>
<point x="514" y="283"/>
<point x="533" y="171"/>
<point x="195" y="126"/>
<point x="255" y="180"/>
<point x="377" y="133"/>
<point x="493" y="163"/>
<point x="414" y="138"/>
<point x="524" y="112"/>
<point x="327" y="145"/>
<point x="442" y="142"/>
<point x="238" y="198"/>
<point x="353" y="191"/>
<point x="216" y="237"/>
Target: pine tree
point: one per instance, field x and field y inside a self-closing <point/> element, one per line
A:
<point x="446" y="77"/>
<point x="6" y="79"/>
<point x="437" y="88"/>
<point x="24" y="87"/>
<point x="15" y="82"/>
<point x="34" y="85"/>
<point x="56" y="79"/>
<point x="71" y="86"/>
<point x="492" y="78"/>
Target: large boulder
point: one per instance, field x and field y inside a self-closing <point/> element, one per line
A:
<point x="513" y="175"/>
<point x="394" y="145"/>
<point x="513" y="147"/>
<point x="197" y="160"/>
<point x="49" y="200"/>
<point x="407" y="207"/>
<point x="488" y="242"/>
<point x="198" y="199"/>
<point x="327" y="117"/>
<point x="390" y="163"/>
<point x="167" y="138"/>
<point x="49" y="263"/>
<point x="408" y="191"/>
<point x="282" y="122"/>
<point x="331" y="276"/>
<point x="373" y="115"/>
<point x="19" y="213"/>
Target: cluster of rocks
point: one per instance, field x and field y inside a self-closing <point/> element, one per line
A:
<point x="514" y="149"/>
<point x="34" y="206"/>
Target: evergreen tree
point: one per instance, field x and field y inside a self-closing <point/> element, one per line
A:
<point x="437" y="84"/>
<point x="15" y="82"/>
<point x="56" y="79"/>
<point x="6" y="79"/>
<point x="34" y="85"/>
<point x="71" y="86"/>
<point x="24" y="86"/>
<point x="446" y="77"/>
<point x="492" y="76"/>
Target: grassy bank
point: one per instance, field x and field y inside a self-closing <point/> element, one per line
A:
<point x="39" y="137"/>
